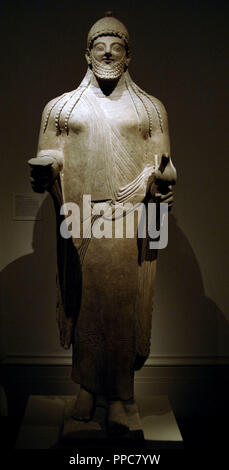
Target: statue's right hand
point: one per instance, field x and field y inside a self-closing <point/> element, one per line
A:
<point x="43" y="171"/>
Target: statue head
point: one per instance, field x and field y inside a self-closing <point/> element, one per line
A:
<point x="107" y="51"/>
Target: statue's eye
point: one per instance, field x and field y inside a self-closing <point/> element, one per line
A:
<point x="99" y="48"/>
<point x="117" y="48"/>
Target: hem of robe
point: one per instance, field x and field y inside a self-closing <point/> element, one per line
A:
<point x="91" y="388"/>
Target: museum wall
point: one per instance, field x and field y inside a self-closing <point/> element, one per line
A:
<point x="179" y="56"/>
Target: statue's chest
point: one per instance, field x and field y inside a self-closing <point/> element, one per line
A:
<point x="118" y="112"/>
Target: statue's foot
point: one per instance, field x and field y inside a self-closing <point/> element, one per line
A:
<point x="83" y="407"/>
<point x="117" y="423"/>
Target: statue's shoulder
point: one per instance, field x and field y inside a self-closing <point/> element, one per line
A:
<point x="53" y="109"/>
<point x="153" y="106"/>
<point x="157" y="103"/>
<point x="59" y="99"/>
<point x="70" y="94"/>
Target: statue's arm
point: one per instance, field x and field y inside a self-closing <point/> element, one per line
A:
<point x="46" y="166"/>
<point x="165" y="175"/>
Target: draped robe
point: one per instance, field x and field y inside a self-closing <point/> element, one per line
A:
<point x="105" y="286"/>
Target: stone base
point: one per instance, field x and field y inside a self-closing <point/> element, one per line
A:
<point x="157" y="419"/>
<point x="48" y="424"/>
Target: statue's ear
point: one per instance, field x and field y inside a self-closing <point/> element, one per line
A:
<point x="88" y="56"/>
<point x="127" y="61"/>
<point x="128" y="57"/>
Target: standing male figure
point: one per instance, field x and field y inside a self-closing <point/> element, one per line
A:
<point x="106" y="139"/>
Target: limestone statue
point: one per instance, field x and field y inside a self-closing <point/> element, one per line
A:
<point x="108" y="139"/>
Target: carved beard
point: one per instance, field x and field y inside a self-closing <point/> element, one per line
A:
<point x="108" y="71"/>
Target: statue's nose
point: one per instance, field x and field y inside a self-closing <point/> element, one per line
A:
<point x="108" y="54"/>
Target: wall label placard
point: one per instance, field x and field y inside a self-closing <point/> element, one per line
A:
<point x="26" y="206"/>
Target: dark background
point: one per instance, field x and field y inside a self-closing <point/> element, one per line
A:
<point x="180" y="55"/>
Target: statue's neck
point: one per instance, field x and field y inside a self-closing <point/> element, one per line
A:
<point x="107" y="86"/>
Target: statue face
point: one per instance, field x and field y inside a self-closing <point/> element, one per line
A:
<point x="108" y="57"/>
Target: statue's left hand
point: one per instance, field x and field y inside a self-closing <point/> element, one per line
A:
<point x="166" y="197"/>
<point x="164" y="180"/>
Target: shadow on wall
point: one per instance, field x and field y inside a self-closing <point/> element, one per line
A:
<point x="29" y="293"/>
<point x="185" y="321"/>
